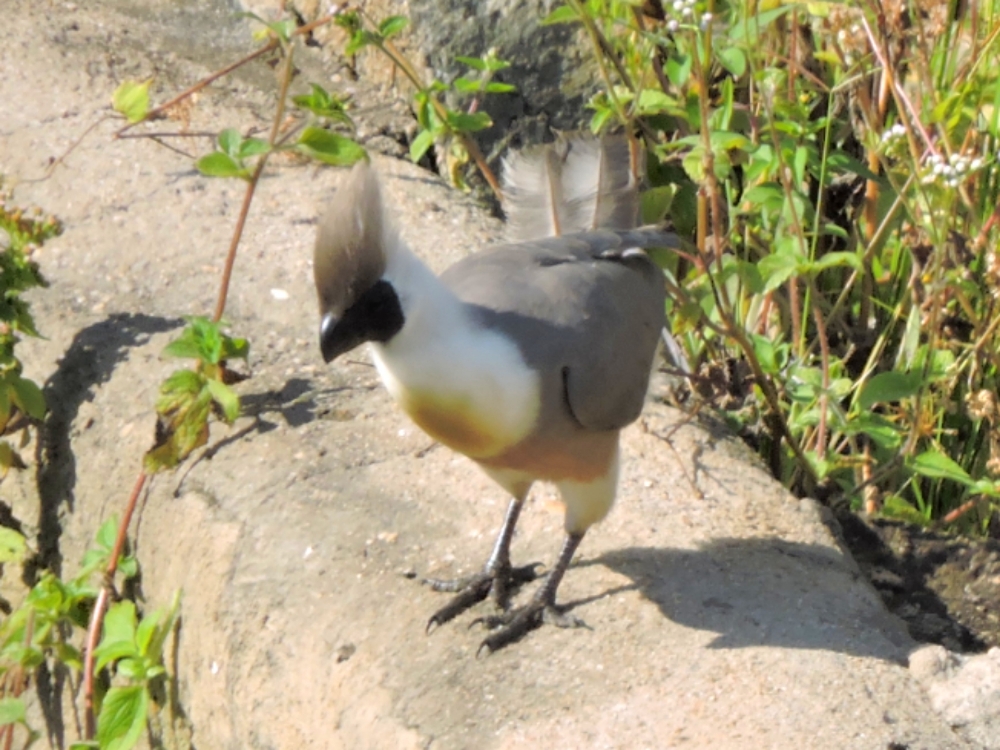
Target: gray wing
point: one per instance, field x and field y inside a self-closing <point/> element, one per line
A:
<point x="586" y="311"/>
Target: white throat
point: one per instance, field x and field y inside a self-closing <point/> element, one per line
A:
<point x="467" y="386"/>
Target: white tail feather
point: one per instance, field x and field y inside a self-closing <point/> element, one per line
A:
<point x="572" y="185"/>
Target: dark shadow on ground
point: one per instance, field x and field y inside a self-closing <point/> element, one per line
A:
<point x="294" y="402"/>
<point x="90" y="360"/>
<point x="941" y="585"/>
<point x="765" y="592"/>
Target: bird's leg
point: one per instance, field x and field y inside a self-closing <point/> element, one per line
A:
<point x="497" y="577"/>
<point x="511" y="626"/>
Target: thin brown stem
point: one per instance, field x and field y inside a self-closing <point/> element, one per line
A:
<point x="101" y="605"/>
<point x="234" y="243"/>
<point x="156" y="112"/>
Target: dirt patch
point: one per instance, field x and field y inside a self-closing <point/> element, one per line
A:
<point x="945" y="588"/>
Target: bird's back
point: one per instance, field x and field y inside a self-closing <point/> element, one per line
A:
<point x="584" y="308"/>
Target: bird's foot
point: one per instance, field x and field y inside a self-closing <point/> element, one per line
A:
<point x="498" y="582"/>
<point x="515" y="624"/>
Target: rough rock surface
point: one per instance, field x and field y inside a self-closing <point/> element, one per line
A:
<point x="552" y="67"/>
<point x="722" y="613"/>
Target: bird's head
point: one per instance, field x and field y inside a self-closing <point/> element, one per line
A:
<point x="356" y="304"/>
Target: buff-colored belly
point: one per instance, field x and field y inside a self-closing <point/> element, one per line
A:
<point x="455" y="423"/>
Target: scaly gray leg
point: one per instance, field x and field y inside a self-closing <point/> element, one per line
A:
<point x="498" y="577"/>
<point x="512" y="626"/>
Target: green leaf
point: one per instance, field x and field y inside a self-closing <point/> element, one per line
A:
<point x="473" y="62"/>
<point x="119" y="624"/>
<point x="13" y="547"/>
<point x="562" y="14"/>
<point x="465" y="86"/>
<point x="839" y="161"/>
<point x="28" y="397"/>
<point x="12" y="711"/>
<point x="392" y="26"/>
<point x="226" y="398"/>
<point x="888" y="388"/>
<point x="835" y="259"/>
<point x="106" y="535"/>
<point x="123" y="717"/>
<point x="884" y="433"/>
<point x="234" y="348"/>
<point x="763" y="349"/>
<point x="253" y="147"/>
<point x="496" y="87"/>
<point x="463" y="122"/>
<point x="132" y="100"/>
<point x="229" y="141"/>
<point x="218" y="164"/>
<point x="734" y="60"/>
<point x="777" y="268"/>
<point x="423" y="141"/>
<point x="128" y="566"/>
<point x="936" y="465"/>
<point x="896" y="507"/>
<point x="359" y="40"/>
<point x="330" y="148"/>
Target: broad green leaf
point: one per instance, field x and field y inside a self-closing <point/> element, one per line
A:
<point x="12" y="711"/>
<point x="936" y="465"/>
<point x="734" y="60"/>
<point x="896" y="507"/>
<point x="392" y="26"/>
<point x="888" y="388"/>
<point x="226" y="398"/>
<point x="777" y="268"/>
<point x="253" y="147"/>
<point x="119" y="625"/>
<point x="496" y="87"/>
<point x="763" y="349"/>
<point x="883" y="432"/>
<point x="218" y="164"/>
<point x="423" y="141"/>
<point x="132" y="100"/>
<point x="12" y="546"/>
<point x="839" y="161"/>
<point x="654" y="102"/>
<point x="28" y="397"/>
<point x="107" y="533"/>
<point x="123" y="717"/>
<point x="330" y="148"/>
<point x="234" y="348"/>
<point x="229" y="141"/>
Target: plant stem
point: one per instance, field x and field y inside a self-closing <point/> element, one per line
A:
<point x="101" y="605"/>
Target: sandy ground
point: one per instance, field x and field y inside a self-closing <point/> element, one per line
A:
<point x="722" y="612"/>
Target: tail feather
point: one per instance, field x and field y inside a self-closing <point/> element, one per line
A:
<point x="572" y="185"/>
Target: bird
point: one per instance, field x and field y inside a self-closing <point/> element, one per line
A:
<point x="529" y="357"/>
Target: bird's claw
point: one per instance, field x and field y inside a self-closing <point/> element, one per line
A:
<point x="474" y="589"/>
<point x="514" y="625"/>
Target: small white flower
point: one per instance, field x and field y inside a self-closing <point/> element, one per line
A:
<point x="672" y="25"/>
<point x="706" y="21"/>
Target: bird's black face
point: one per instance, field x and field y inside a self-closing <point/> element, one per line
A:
<point x="375" y="316"/>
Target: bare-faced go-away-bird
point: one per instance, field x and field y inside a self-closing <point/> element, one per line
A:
<point x="527" y="357"/>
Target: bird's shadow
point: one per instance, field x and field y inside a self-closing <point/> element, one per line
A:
<point x="762" y="592"/>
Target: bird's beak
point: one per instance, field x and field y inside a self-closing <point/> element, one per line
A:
<point x="338" y="336"/>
